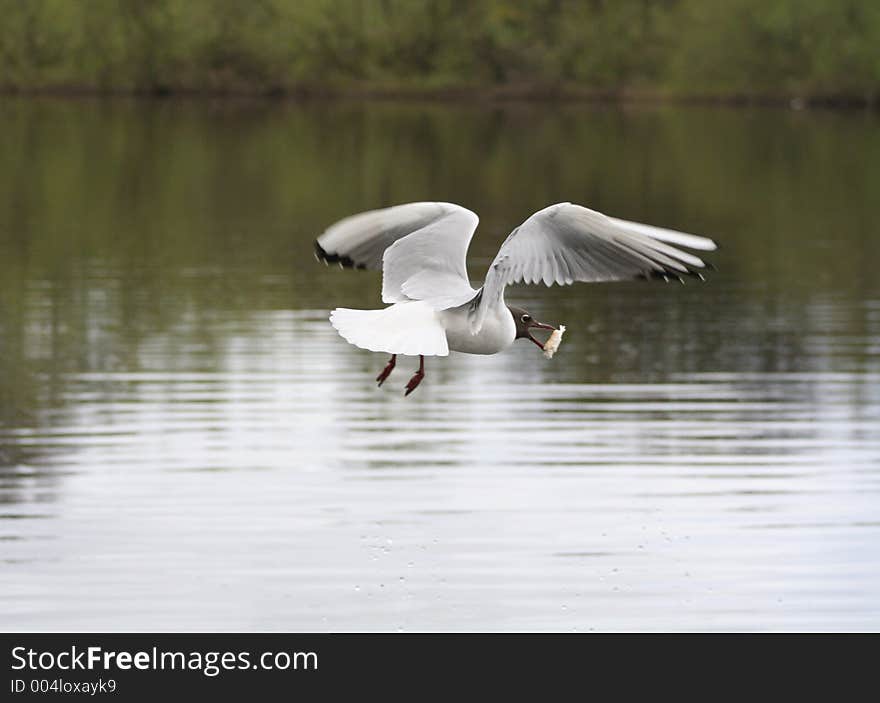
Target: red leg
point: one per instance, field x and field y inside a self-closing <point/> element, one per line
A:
<point x="386" y="372"/>
<point x="417" y="378"/>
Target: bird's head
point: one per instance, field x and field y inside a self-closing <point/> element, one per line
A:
<point x="525" y="322"/>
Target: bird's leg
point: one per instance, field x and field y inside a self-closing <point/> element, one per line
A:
<point x="386" y="372"/>
<point x="417" y="378"/>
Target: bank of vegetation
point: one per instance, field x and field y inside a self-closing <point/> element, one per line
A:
<point x="811" y="50"/>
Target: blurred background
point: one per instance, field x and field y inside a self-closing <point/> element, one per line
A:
<point x="754" y="49"/>
<point x="186" y="444"/>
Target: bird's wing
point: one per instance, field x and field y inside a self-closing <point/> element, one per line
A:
<point x="420" y="247"/>
<point x="565" y="243"/>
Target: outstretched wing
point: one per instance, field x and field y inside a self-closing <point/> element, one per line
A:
<point x="420" y="247"/>
<point x="565" y="243"/>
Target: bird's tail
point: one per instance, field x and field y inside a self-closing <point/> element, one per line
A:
<point x="410" y="328"/>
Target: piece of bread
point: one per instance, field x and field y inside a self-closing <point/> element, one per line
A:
<point x="553" y="343"/>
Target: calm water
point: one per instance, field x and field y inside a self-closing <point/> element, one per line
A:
<point x="185" y="443"/>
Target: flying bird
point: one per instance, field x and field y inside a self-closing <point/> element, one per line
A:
<point x="421" y="249"/>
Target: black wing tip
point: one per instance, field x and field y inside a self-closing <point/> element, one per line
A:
<point x="321" y="254"/>
<point x="666" y="275"/>
<point x="671" y="275"/>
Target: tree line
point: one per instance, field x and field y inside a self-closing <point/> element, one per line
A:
<point x="812" y="49"/>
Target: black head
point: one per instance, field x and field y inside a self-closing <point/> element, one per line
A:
<point x="525" y="322"/>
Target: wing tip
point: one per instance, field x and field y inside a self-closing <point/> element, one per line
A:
<point x="710" y="244"/>
<point x="668" y="275"/>
<point x="344" y="261"/>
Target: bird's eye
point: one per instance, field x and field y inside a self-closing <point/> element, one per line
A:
<point x="526" y="318"/>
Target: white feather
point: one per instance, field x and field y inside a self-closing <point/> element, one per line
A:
<point x="671" y="236"/>
<point x="420" y="247"/>
<point x="564" y="243"/>
<point x="410" y="329"/>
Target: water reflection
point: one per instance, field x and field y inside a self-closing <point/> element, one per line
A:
<point x="186" y="444"/>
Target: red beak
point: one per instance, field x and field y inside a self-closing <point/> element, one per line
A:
<point x="541" y="326"/>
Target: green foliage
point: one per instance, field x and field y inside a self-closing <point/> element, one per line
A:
<point x="705" y="47"/>
<point x="807" y="47"/>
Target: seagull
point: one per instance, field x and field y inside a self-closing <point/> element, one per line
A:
<point x="421" y="249"/>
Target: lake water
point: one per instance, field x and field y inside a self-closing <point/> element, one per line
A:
<point x="186" y="444"/>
